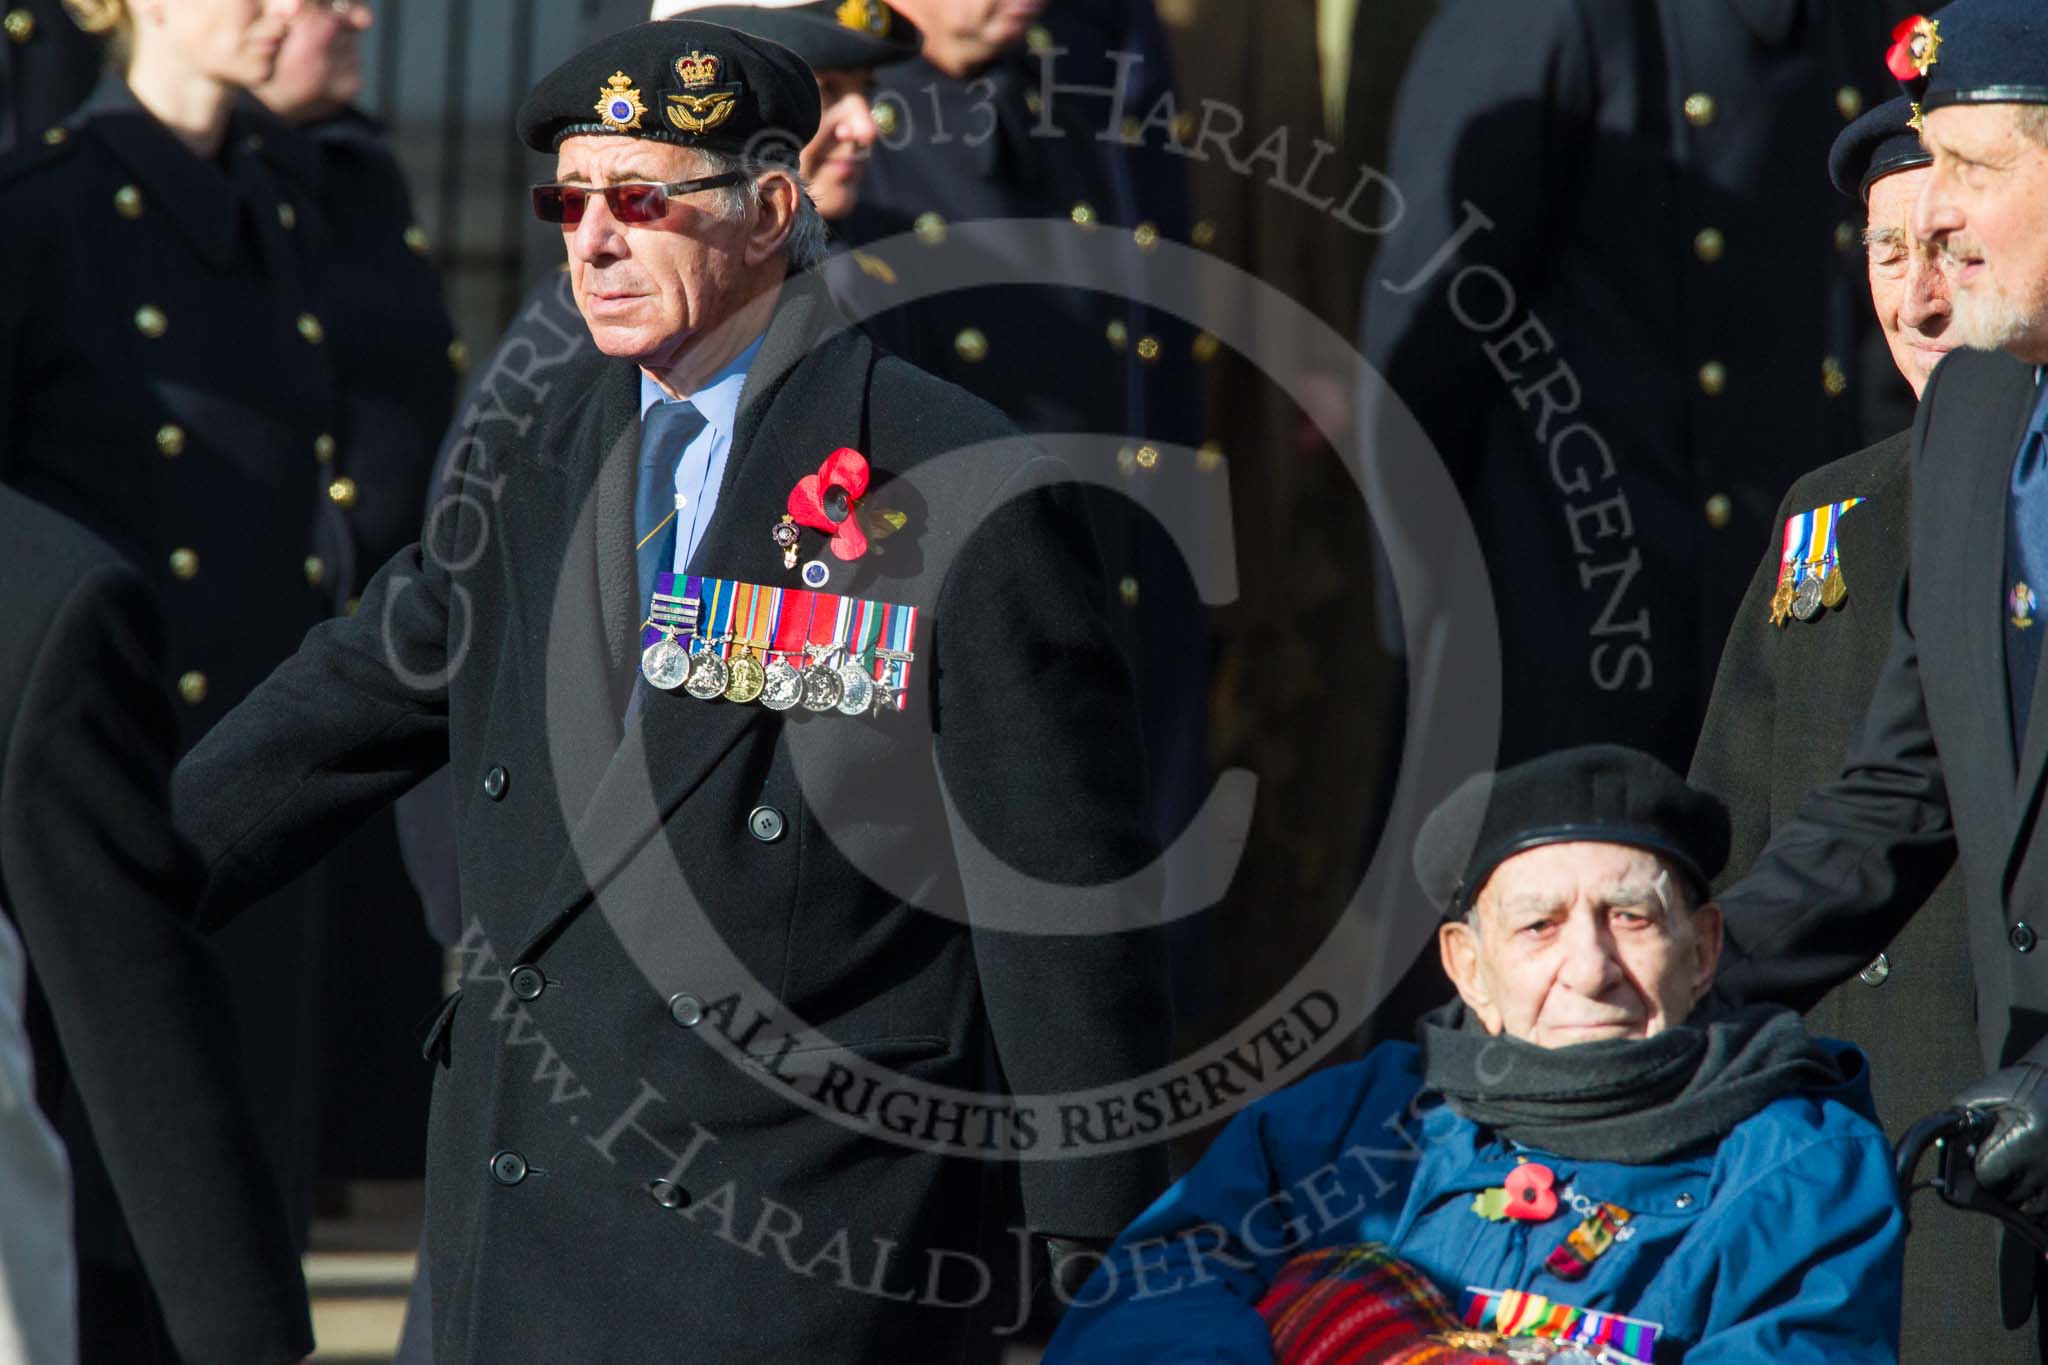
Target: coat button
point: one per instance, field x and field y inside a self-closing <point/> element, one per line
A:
<point x="1878" y="972"/>
<point x="342" y="493"/>
<point x="1713" y="378"/>
<point x="128" y="202"/>
<point x="1205" y="347"/>
<point x="287" y="217"/>
<point x="508" y="1168"/>
<point x="1833" y="382"/>
<point x="527" y="983"/>
<point x="972" y="345"/>
<point x="1127" y="592"/>
<point x="686" y="1009"/>
<point x="1700" y="109"/>
<point x="765" y="823"/>
<point x="170" y="440"/>
<point x="1720" y="511"/>
<point x="458" y="356"/>
<point x="1709" y="245"/>
<point x="323" y="447"/>
<point x="668" y="1194"/>
<point x="1146" y="235"/>
<point x="1119" y="334"/>
<point x="495" y="782"/>
<point x="1848" y="102"/>
<point x="192" y="687"/>
<point x="1083" y="215"/>
<point x="310" y="328"/>
<point x="1204" y="234"/>
<point x="2021" y="937"/>
<point x="316" y="569"/>
<point x="884" y="116"/>
<point x="930" y="228"/>
<point x="55" y="137"/>
<point x="1038" y="38"/>
<point x="417" y="241"/>
<point x="151" y="322"/>
<point x="1148" y="349"/>
<point x="185" y="563"/>
<point x="21" y="25"/>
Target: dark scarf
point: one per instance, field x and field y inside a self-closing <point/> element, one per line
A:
<point x="1629" y="1100"/>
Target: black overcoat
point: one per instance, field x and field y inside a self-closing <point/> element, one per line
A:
<point x="126" y="1004"/>
<point x="598" y="1170"/>
<point x="1786" y="703"/>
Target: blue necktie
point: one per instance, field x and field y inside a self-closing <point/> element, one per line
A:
<point x="666" y="430"/>
<point x="2026" y="571"/>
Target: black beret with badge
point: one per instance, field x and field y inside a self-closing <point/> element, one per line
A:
<point x="1879" y="143"/>
<point x="1973" y="52"/>
<point x="1598" y="793"/>
<point x="680" y="81"/>
<point x="832" y="35"/>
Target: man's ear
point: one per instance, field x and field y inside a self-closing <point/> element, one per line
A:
<point x="778" y="194"/>
<point x="1707" y="927"/>
<point x="1457" y="943"/>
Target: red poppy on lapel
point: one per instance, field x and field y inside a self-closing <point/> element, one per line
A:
<point x="825" y="501"/>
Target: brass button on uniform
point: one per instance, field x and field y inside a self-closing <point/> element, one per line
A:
<point x="884" y="115"/>
<point x="1209" y="456"/>
<point x="458" y="356"/>
<point x="55" y="136"/>
<point x="1700" y="109"/>
<point x="128" y="202"/>
<point x="1713" y="378"/>
<point x="1083" y="215"/>
<point x="21" y="25"/>
<point x="151" y="322"/>
<point x="972" y="346"/>
<point x="930" y="228"/>
<point x="348" y="608"/>
<point x="1127" y="591"/>
<point x="1148" y="349"/>
<point x="1148" y="457"/>
<point x="1878" y="972"/>
<point x="287" y="217"/>
<point x="170" y="440"/>
<point x="1709" y="245"/>
<point x="342" y="493"/>
<point x="1038" y="38"/>
<point x="185" y="563"/>
<point x="1845" y="236"/>
<point x="1720" y="511"/>
<point x="316" y="569"/>
<point x="192" y="687"/>
<point x="686" y="1009"/>
<point x="1204" y="234"/>
<point x="1033" y="102"/>
<point x="1848" y="102"/>
<point x="416" y="240"/>
<point x="311" y="330"/>
<point x="323" y="447"/>
<point x="1126" y="461"/>
<point x="1146" y="235"/>
<point x="1206" y="348"/>
<point x="1118" y="333"/>
<point x="1833" y="382"/>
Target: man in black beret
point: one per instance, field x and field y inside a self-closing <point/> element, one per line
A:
<point x="1569" y="1153"/>
<point x="1793" y="682"/>
<point x="1946" y="767"/>
<point x="768" y="993"/>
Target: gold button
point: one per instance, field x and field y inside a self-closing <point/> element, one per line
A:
<point x="1845" y="236"/>
<point x="930" y="228"/>
<point x="1708" y="244"/>
<point x="1209" y="456"/>
<point x="170" y="439"/>
<point x="1083" y="215"/>
<point x="150" y="321"/>
<point x="1832" y="381"/>
<point x="1038" y="38"/>
<point x="1126" y="461"/>
<point x="1206" y="348"/>
<point x="458" y="356"/>
<point x="311" y="330"/>
<point x="1204" y="235"/>
<point x="1130" y="128"/>
<point x="348" y="608"/>
<point x="1128" y="591"/>
<point x="1033" y="101"/>
<point x="185" y="563"/>
<point x="1700" y="109"/>
<point x="342" y="492"/>
<point x="1849" y="101"/>
<point x="21" y="25"/>
<point x="1719" y="511"/>
<point x="1148" y="349"/>
<point x="128" y="202"/>
<point x="323" y="447"/>
<point x="972" y="346"/>
<point x="1713" y="378"/>
<point x="55" y="136"/>
<point x="1119" y="334"/>
<point x="287" y="217"/>
<point x="884" y="115"/>
<point x="1183" y="126"/>
<point x="1146" y="235"/>
<point x="192" y="687"/>
<point x="316" y="569"/>
<point x="1148" y="457"/>
<point x="416" y="240"/>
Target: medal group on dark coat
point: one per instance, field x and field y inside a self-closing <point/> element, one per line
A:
<point x="822" y="823"/>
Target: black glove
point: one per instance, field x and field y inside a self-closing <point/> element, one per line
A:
<point x="2012" y="1162"/>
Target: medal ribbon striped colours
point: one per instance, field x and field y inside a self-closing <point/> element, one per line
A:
<point x="746" y="626"/>
<point x="1518" y="1313"/>
<point x="1810" y="557"/>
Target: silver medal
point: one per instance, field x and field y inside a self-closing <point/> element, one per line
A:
<point x="822" y="689"/>
<point x="784" y="687"/>
<point x="665" y="664"/>
<point x="1806" y="600"/>
<point x="708" y="677"/>
<point x="857" y="690"/>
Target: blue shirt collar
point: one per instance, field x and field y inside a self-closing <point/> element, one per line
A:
<point x="718" y="400"/>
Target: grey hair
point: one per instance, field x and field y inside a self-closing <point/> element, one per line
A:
<point x="806" y="246"/>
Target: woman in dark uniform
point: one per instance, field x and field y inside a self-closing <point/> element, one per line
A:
<point x="164" y="381"/>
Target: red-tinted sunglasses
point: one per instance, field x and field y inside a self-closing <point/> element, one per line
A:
<point x="634" y="202"/>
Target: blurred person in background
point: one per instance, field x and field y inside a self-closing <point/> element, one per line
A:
<point x="48" y="65"/>
<point x="166" y="380"/>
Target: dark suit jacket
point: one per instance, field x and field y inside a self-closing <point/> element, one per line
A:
<point x="130" y="1005"/>
<point x="1786" y="704"/>
<point x="661" y="883"/>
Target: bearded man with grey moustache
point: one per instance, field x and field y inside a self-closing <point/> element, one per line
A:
<point x="1946" y="769"/>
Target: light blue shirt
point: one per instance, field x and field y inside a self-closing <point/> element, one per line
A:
<point x="702" y="468"/>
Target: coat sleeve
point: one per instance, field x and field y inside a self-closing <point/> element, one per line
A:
<point x="1045" y="777"/>
<point x="1739" y="735"/>
<point x="1838" y="1304"/>
<point x="102" y="888"/>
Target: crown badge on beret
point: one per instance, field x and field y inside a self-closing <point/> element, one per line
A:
<point x="865" y="16"/>
<point x="1916" y="46"/>
<point x="619" y="103"/>
<point x="693" y="112"/>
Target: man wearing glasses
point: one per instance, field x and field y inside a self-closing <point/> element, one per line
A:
<point x="707" y="922"/>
